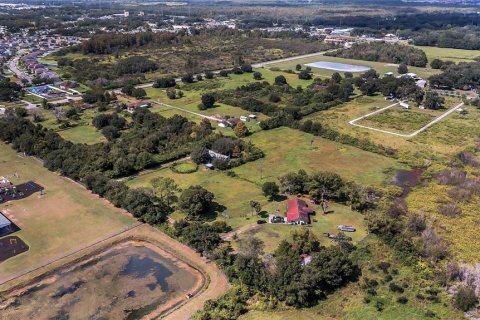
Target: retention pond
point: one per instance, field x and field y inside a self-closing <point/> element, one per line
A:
<point x="343" y="67"/>
<point x="126" y="281"/>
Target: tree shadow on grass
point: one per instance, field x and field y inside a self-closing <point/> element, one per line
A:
<point x="214" y="210"/>
<point x="279" y="198"/>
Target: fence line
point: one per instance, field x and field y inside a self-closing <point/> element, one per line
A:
<point x="68" y="254"/>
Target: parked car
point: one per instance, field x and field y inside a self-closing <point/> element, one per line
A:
<point x="346" y="228"/>
<point x="277" y="219"/>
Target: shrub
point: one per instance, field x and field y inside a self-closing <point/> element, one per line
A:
<point x="449" y="210"/>
<point x="257" y="75"/>
<point x="280" y="80"/>
<point x="402" y="300"/>
<point x="273" y="97"/>
<point x="209" y="75"/>
<point x="395" y="288"/>
<point x="465" y="299"/>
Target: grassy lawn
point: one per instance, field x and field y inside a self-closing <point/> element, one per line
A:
<point x="231" y="194"/>
<point x="380" y="67"/>
<point x="67" y="217"/>
<point x="288" y="150"/>
<point x="83" y="134"/>
<point x="456" y="55"/>
<point x="398" y="120"/>
<point x="272" y="234"/>
<point x="82" y="131"/>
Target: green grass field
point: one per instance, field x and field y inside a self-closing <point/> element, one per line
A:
<point x="82" y="131"/>
<point x="67" y="217"/>
<point x="288" y="150"/>
<point x="456" y="55"/>
<point x="232" y="194"/>
<point x="380" y="67"/>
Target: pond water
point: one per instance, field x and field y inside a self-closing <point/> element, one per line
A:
<point x="343" y="67"/>
<point x="127" y="282"/>
<point x="407" y="179"/>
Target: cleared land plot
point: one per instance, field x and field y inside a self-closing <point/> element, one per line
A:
<point x="397" y="120"/>
<point x="456" y="55"/>
<point x="288" y="150"/>
<point x="66" y="218"/>
<point x="380" y="67"/>
<point x="448" y="136"/>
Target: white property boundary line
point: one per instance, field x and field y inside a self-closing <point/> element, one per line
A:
<point x="410" y="135"/>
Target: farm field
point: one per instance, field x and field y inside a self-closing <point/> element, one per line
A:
<point x="67" y="217"/>
<point x="288" y="150"/>
<point x="380" y="67"/>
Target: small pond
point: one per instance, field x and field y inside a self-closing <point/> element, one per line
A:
<point x="343" y="67"/>
<point x="407" y="179"/>
<point x="126" y="282"/>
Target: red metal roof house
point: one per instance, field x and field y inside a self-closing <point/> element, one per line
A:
<point x="298" y="212"/>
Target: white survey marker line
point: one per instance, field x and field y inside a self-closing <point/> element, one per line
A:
<point x="410" y="135"/>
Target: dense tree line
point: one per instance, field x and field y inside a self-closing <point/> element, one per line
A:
<point x="151" y="139"/>
<point x="383" y="52"/>
<point x="464" y="75"/>
<point x="290" y="280"/>
<point x="9" y="90"/>
<point x="236" y="151"/>
<point x="325" y="185"/>
<point x="459" y="38"/>
<point x="113" y="42"/>
<point x="83" y="163"/>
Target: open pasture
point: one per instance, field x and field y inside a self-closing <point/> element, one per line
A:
<point x="288" y="150"/>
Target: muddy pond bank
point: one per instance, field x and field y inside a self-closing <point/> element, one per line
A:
<point x="129" y="280"/>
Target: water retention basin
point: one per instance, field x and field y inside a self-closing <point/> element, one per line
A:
<point x="126" y="281"/>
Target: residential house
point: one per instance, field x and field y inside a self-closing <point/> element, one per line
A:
<point x="298" y="212"/>
<point x="131" y="107"/>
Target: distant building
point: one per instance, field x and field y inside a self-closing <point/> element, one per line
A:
<point x="216" y="155"/>
<point x="298" y="212"/>
<point x="135" y="105"/>
<point x="404" y="105"/>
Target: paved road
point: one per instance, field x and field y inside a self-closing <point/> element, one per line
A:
<point x="13" y="66"/>
<point x="410" y="135"/>
<point x="187" y="111"/>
